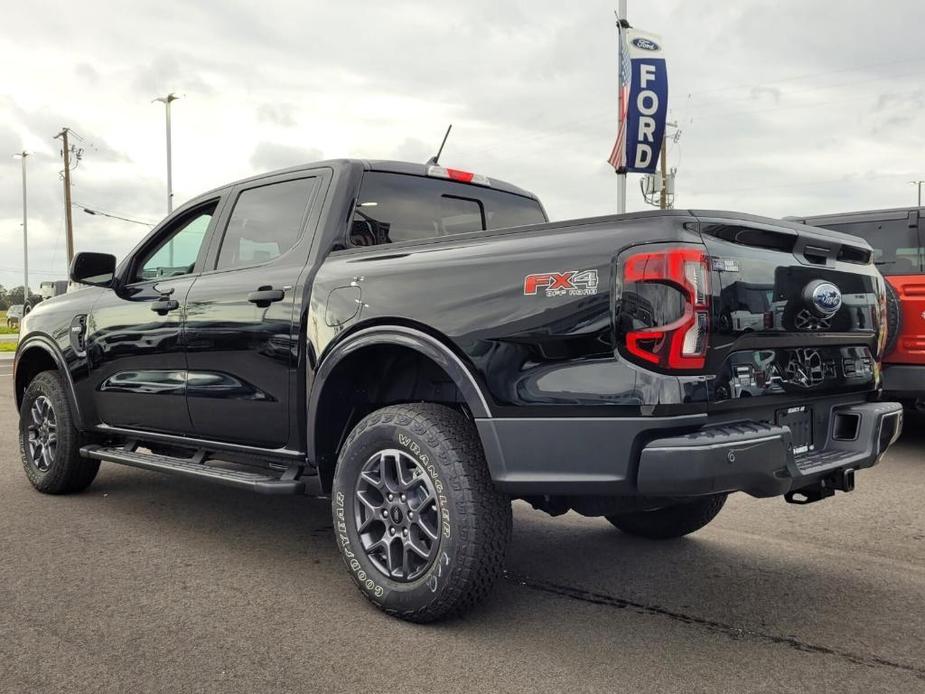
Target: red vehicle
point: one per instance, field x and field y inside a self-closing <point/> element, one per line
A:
<point x="898" y="239"/>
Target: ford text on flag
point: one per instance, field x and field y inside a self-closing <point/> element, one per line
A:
<point x="645" y="108"/>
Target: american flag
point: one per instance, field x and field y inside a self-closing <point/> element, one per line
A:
<point x="618" y="154"/>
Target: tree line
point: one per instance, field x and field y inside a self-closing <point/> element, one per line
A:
<point x="11" y="297"/>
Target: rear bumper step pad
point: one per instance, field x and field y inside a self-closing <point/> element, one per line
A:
<point x="757" y="457"/>
<point x="252" y="481"/>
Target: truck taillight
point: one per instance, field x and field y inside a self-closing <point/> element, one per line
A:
<point x="682" y="343"/>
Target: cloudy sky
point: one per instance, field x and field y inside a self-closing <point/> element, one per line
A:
<point x="784" y="106"/>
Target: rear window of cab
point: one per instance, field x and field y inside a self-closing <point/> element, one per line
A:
<point x="393" y="207"/>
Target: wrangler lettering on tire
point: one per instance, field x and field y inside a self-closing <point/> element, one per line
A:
<point x="420" y="526"/>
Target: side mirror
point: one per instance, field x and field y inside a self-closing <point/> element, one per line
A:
<point x="96" y="269"/>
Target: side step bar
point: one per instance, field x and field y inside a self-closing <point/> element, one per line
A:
<point x="289" y="483"/>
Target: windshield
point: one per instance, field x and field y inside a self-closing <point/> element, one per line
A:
<point x="394" y="207"/>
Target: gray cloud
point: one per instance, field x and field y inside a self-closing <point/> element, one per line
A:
<point x="277" y="114"/>
<point x="759" y="92"/>
<point x="45" y="124"/>
<point x="412" y="149"/>
<point x="88" y="73"/>
<point x="269" y="156"/>
<point x="169" y="73"/>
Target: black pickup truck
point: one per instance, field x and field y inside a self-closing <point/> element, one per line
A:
<point x="421" y="345"/>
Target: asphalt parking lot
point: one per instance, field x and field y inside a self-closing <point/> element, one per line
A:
<point x="146" y="583"/>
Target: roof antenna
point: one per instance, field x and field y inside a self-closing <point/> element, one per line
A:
<point x="436" y="158"/>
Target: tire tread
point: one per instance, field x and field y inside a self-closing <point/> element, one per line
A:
<point x="70" y="472"/>
<point x="480" y="562"/>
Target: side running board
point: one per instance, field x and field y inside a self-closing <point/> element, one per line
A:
<point x="288" y="483"/>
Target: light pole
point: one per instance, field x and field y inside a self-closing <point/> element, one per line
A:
<point x="918" y="184"/>
<point x="622" y="24"/>
<point x="25" y="231"/>
<point x="166" y="100"/>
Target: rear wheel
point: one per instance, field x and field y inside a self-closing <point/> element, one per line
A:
<point x="49" y="443"/>
<point x="421" y="527"/>
<point x="670" y="521"/>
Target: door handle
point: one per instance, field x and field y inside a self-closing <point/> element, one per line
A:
<point x="264" y="296"/>
<point x="164" y="305"/>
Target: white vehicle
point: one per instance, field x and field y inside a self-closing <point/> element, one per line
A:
<point x="13" y="315"/>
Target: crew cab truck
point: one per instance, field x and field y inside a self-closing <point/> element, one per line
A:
<point x="898" y="238"/>
<point x="420" y="345"/>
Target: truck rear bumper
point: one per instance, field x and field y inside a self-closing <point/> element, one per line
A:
<point x="758" y="458"/>
<point x="647" y="456"/>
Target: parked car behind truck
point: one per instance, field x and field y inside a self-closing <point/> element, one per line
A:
<point x="896" y="236"/>
<point x="421" y="345"/>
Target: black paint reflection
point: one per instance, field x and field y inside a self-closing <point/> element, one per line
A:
<point x="146" y="382"/>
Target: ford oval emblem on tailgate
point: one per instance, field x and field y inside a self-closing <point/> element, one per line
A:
<point x="826" y="298"/>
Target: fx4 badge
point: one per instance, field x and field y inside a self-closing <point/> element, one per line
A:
<point x="568" y="283"/>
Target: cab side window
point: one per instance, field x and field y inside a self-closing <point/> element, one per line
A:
<point x="265" y="223"/>
<point x="176" y="254"/>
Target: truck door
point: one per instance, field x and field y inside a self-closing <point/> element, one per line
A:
<point x="241" y="329"/>
<point x="134" y="345"/>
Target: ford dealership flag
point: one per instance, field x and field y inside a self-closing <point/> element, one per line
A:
<point x="643" y="103"/>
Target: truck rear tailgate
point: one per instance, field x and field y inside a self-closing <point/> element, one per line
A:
<point x="796" y="309"/>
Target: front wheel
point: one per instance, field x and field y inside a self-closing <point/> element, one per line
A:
<point x="670" y="521"/>
<point x="49" y="443"/>
<point x="420" y="525"/>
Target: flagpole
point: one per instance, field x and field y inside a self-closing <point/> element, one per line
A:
<point x="621" y="175"/>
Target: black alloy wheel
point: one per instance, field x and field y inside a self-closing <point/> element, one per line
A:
<point x="397" y="515"/>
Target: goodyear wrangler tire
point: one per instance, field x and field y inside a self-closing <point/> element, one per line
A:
<point x="670" y="521"/>
<point x="49" y="443"/>
<point x="420" y="526"/>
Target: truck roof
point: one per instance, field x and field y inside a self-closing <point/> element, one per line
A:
<point x="387" y="165"/>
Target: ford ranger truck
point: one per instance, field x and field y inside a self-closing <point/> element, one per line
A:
<point x="421" y="346"/>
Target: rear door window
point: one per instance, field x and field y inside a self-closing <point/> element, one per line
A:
<point x="265" y="223"/>
<point x="393" y="207"/>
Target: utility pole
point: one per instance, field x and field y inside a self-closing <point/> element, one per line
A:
<point x="25" y="230"/>
<point x="166" y="100"/>
<point x="622" y="23"/>
<point x="68" y="222"/>
<point x="918" y="184"/>
<point x="663" y="162"/>
<point x="667" y="177"/>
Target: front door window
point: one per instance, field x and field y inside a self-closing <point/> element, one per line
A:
<point x="176" y="255"/>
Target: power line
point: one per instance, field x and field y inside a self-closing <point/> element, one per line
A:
<point x="101" y="213"/>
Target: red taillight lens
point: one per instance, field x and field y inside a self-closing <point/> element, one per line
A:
<point x="682" y="343"/>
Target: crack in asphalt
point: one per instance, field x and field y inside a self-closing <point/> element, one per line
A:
<point x="712" y="625"/>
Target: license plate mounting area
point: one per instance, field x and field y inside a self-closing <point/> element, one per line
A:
<point x="800" y="421"/>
